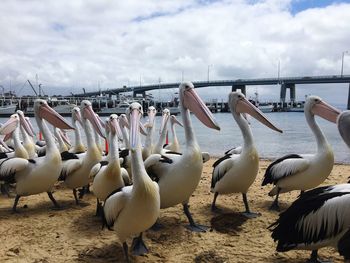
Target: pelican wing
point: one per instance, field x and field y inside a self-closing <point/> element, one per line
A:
<point x="157" y="164"/>
<point x="9" y="167"/>
<point x="114" y="204"/>
<point x="234" y="150"/>
<point x="68" y="156"/>
<point x="318" y="215"/>
<point x="288" y="165"/>
<point x="221" y="166"/>
<point x="68" y="167"/>
<point x="40" y="150"/>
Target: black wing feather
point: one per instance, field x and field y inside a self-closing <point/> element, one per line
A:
<point x="68" y="156"/>
<point x="103" y="216"/>
<point x="268" y="177"/>
<point x="217" y="162"/>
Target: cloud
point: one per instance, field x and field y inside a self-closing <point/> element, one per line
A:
<point x="76" y="44"/>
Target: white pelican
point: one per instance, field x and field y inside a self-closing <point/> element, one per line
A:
<point x="110" y="175"/>
<point x="135" y="208"/>
<point x="306" y="171"/>
<point x="179" y="179"/>
<point x="174" y="146"/>
<point x="27" y="137"/>
<point x="318" y="218"/>
<point x="40" y="174"/>
<point x="344" y="126"/>
<point x="75" y="172"/>
<point x="158" y="148"/>
<point x="12" y="128"/>
<point x="150" y="125"/>
<point x="78" y="144"/>
<point x="235" y="173"/>
<point x="62" y="139"/>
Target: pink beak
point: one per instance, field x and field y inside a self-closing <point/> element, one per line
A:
<point x="151" y="118"/>
<point x="165" y="119"/>
<point x="55" y="119"/>
<point x="123" y="121"/>
<point x="9" y="126"/>
<point x="89" y="114"/>
<point x="142" y="129"/>
<point x="174" y="120"/>
<point x="134" y="128"/>
<point x="77" y="117"/>
<point x="244" y="106"/>
<point x="25" y="125"/>
<point x="194" y="103"/>
<point x="115" y="128"/>
<point x="7" y="136"/>
<point x="326" y="111"/>
<point x="64" y="137"/>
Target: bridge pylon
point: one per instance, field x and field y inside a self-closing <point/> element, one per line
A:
<point x="284" y="87"/>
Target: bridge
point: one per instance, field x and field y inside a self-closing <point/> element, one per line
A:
<point x="237" y="84"/>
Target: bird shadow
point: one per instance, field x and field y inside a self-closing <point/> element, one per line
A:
<point x="228" y="223"/>
<point x="86" y="224"/>
<point x="109" y="253"/>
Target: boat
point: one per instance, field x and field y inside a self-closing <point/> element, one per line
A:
<point x="265" y="107"/>
<point x="7" y="108"/>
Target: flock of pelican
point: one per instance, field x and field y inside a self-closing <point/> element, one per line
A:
<point x="135" y="180"/>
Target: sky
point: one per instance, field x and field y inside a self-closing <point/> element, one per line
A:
<point x="69" y="45"/>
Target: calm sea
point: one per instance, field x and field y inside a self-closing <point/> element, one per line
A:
<point x="296" y="137"/>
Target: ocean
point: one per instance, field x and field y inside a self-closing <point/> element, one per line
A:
<point x="296" y="136"/>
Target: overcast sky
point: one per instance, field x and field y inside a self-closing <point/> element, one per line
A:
<point x="74" y="44"/>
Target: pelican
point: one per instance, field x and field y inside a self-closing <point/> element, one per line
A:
<point x="148" y="148"/>
<point x="78" y="144"/>
<point x="158" y="148"/>
<point x="135" y="208"/>
<point x="27" y="137"/>
<point x="62" y="139"/>
<point x="40" y="174"/>
<point x="110" y="176"/>
<point x="235" y="173"/>
<point x="75" y="172"/>
<point x="306" y="171"/>
<point x="11" y="128"/>
<point x="179" y="177"/>
<point x="174" y="146"/>
<point x="344" y="126"/>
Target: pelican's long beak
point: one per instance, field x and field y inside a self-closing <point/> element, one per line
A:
<point x="89" y="114"/>
<point x="77" y="117"/>
<point x="65" y="138"/>
<point x="7" y="137"/>
<point x="115" y="128"/>
<point x="55" y="119"/>
<point x="176" y="121"/>
<point x="134" y="128"/>
<point x="124" y="122"/>
<point x="25" y="125"/>
<point x="9" y="126"/>
<point x="244" y="106"/>
<point x="194" y="103"/>
<point x="326" y="111"/>
<point x="143" y="129"/>
<point x="3" y="144"/>
<point x="30" y="125"/>
<point x="344" y="126"/>
<point x="151" y="118"/>
<point x="101" y="121"/>
<point x="163" y="126"/>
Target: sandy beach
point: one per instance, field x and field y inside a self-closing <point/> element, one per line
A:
<point x="40" y="234"/>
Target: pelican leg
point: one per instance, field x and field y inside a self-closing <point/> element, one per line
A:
<point x="213" y="206"/>
<point x="98" y="208"/>
<point x="14" y="208"/>
<point x="5" y="189"/>
<point x="157" y="226"/>
<point x="314" y="258"/>
<point x="275" y="206"/>
<point x="138" y="247"/>
<point x="126" y="254"/>
<point x="53" y="200"/>
<point x="247" y="212"/>
<point x="193" y="226"/>
<point x="75" y="196"/>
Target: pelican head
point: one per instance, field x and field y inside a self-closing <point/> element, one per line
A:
<point x="189" y="99"/>
<point x="174" y="120"/>
<point x="25" y="122"/>
<point x="151" y="112"/>
<point x="43" y="111"/>
<point x="11" y="124"/>
<point x="123" y="121"/>
<point x="114" y="127"/>
<point x="89" y="114"/>
<point x="240" y="105"/>
<point x="165" y="118"/>
<point x="76" y="115"/>
<point x="134" y="113"/>
<point x="344" y="126"/>
<point x="316" y="106"/>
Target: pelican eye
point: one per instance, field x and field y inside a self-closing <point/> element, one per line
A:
<point x="317" y="100"/>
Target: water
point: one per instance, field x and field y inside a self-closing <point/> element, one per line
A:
<point x="296" y="137"/>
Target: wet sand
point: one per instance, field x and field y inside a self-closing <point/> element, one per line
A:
<point x="40" y="234"/>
